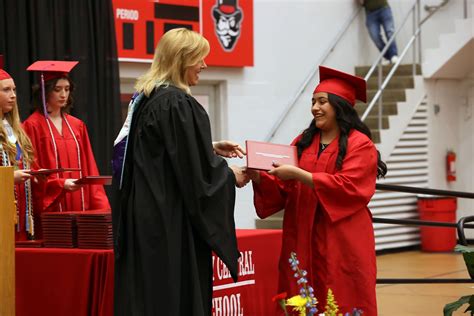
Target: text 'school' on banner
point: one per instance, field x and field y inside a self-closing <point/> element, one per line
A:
<point x="226" y="24"/>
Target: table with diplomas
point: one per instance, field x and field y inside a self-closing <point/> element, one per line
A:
<point x="60" y="281"/>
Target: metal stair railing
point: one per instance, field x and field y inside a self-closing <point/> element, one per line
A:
<point x="460" y="225"/>
<point x="415" y="11"/>
<point x="313" y="72"/>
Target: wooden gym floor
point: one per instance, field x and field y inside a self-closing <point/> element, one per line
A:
<point x="420" y="299"/>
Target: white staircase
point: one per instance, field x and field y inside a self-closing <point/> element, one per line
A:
<point x="404" y="146"/>
<point x="398" y="123"/>
<point x="453" y="57"/>
<point x="407" y="165"/>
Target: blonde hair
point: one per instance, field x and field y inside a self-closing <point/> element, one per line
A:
<point x="177" y="50"/>
<point x="24" y="141"/>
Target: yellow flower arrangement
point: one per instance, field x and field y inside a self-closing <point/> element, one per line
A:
<point x="305" y="303"/>
<point x="299" y="304"/>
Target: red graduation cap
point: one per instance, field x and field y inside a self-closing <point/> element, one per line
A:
<point x="342" y="84"/>
<point x="3" y="74"/>
<point x="52" y="69"/>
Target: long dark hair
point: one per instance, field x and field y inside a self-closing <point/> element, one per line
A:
<point x="37" y="102"/>
<point x="347" y="119"/>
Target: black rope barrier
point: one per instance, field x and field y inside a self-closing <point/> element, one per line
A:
<point x="400" y="188"/>
<point x="416" y="222"/>
<point x="423" y="281"/>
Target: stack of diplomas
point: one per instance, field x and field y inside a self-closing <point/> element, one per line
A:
<point x="94" y="230"/>
<point x="59" y="229"/>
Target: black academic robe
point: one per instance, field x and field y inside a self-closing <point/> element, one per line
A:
<point x="175" y="207"/>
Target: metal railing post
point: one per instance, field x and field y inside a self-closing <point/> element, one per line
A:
<point x="380" y="99"/>
<point x="418" y="25"/>
<point x="414" y="45"/>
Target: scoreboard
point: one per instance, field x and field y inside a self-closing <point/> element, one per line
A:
<point x="226" y="24"/>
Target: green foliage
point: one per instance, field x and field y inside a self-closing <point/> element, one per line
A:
<point x="468" y="255"/>
<point x="450" y="308"/>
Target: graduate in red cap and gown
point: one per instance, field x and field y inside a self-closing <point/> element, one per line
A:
<point x="61" y="140"/>
<point x="327" y="222"/>
<point x="16" y="150"/>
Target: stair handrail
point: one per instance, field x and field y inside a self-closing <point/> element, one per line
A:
<point x="387" y="79"/>
<point x="312" y="73"/>
<point x="431" y="8"/>
<point x="416" y="22"/>
<point x="434" y="8"/>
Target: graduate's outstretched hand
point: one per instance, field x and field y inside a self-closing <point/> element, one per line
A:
<point x="228" y="149"/>
<point x="289" y="172"/>
<point x="284" y="172"/>
<point x="241" y="178"/>
<point x="70" y="185"/>
<point x="20" y="176"/>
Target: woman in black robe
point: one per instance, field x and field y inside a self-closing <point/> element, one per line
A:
<point x="175" y="197"/>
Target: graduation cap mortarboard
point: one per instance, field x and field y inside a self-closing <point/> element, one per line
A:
<point x="3" y="74"/>
<point x="342" y="84"/>
<point x="52" y="69"/>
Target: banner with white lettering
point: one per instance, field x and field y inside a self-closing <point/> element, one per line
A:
<point x="258" y="275"/>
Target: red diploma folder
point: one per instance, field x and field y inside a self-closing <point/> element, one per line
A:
<point x="51" y="171"/>
<point x="102" y="180"/>
<point x="261" y="155"/>
<point x="29" y="243"/>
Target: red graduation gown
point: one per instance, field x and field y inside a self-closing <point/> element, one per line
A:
<point x="329" y="227"/>
<point x="94" y="195"/>
<point x="38" y="190"/>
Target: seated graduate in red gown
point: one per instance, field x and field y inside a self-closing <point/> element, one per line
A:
<point x="16" y="150"/>
<point x="61" y="140"/>
<point x="327" y="222"/>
